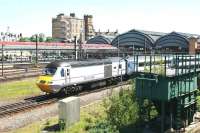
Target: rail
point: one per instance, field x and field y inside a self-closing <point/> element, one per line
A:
<point x="38" y="101"/>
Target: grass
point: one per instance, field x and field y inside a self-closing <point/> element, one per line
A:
<point x="17" y="89"/>
<point x="88" y="115"/>
<point x="36" y="127"/>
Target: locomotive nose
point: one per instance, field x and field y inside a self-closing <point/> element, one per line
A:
<point x="44" y="82"/>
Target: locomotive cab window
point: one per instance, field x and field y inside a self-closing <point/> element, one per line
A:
<point x="49" y="71"/>
<point x="62" y="72"/>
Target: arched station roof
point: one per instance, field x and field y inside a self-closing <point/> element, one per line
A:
<point x="172" y="39"/>
<point x="148" y="39"/>
<point x="100" y="40"/>
<point x="134" y="38"/>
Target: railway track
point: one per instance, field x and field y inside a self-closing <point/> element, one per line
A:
<point x="38" y="101"/>
<point x="26" y="104"/>
<point x="15" y="74"/>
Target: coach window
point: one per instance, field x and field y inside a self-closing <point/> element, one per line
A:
<point x="67" y="72"/>
<point x="120" y="66"/>
<point x="62" y="72"/>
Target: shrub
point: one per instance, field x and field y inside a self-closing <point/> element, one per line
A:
<point x="198" y="100"/>
<point x="103" y="126"/>
<point x="122" y="108"/>
<point x="122" y="112"/>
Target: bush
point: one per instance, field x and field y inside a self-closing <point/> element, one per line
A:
<point x="102" y="126"/>
<point x="198" y="100"/>
<point x="122" y="108"/>
<point x="122" y="112"/>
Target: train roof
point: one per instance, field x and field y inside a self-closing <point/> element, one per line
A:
<point x="56" y="64"/>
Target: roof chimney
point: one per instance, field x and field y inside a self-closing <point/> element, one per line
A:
<point x="72" y="14"/>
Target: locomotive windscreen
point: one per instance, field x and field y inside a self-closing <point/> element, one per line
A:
<point x="49" y="71"/>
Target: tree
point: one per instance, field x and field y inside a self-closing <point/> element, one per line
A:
<point x="41" y="37"/>
<point x="49" y="39"/>
<point x="24" y="39"/>
<point x="33" y="38"/>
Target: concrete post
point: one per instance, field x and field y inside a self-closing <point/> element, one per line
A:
<point x="69" y="110"/>
<point x="75" y="48"/>
<point x="36" y="48"/>
<point x="2" y="59"/>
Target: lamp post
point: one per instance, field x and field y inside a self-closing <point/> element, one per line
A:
<point x="118" y="46"/>
<point x="133" y="48"/>
<point x="2" y="59"/>
<point x="145" y="46"/>
<point x="81" y="42"/>
<point x="145" y="51"/>
<point x="121" y="69"/>
<point x="75" y="49"/>
<point x="36" y="48"/>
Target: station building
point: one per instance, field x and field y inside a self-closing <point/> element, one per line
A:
<point x="64" y="28"/>
<point x="25" y="50"/>
<point x="178" y="42"/>
<point x="149" y="41"/>
<point x="136" y="40"/>
<point x="101" y="39"/>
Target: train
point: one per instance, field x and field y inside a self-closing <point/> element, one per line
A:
<point x="73" y="76"/>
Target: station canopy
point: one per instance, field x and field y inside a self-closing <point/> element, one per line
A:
<point x="174" y="39"/>
<point x="146" y="39"/>
<point x="100" y="39"/>
<point x="137" y="39"/>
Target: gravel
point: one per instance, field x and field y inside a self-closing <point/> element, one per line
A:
<point x="22" y="119"/>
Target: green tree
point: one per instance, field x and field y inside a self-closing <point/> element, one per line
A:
<point x="24" y="39"/>
<point x="198" y="100"/>
<point x="49" y="39"/>
<point x="33" y="39"/>
<point x="41" y="39"/>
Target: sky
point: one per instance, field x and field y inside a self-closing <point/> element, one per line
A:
<point x="34" y="16"/>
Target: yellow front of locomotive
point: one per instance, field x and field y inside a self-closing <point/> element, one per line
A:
<point x="46" y="81"/>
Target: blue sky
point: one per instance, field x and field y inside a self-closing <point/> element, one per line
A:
<point x="34" y="16"/>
